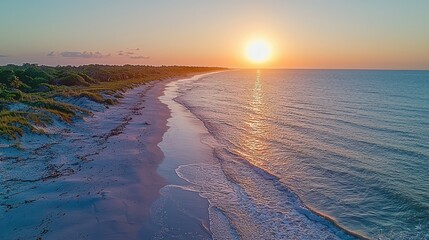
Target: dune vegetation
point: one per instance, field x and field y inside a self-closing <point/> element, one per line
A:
<point x="33" y="96"/>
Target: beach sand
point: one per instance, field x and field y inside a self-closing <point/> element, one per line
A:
<point x="98" y="178"/>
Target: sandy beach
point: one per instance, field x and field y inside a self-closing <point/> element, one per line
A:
<point x="97" y="178"/>
<point x="214" y="120"/>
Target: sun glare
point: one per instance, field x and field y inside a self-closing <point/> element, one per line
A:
<point x="258" y="51"/>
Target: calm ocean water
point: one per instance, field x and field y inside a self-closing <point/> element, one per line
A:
<point x="295" y="145"/>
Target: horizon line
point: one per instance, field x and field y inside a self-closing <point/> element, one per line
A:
<point x="231" y="68"/>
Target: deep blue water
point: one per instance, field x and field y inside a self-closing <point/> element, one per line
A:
<point x="293" y="145"/>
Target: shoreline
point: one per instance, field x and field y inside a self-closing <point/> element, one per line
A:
<point x="84" y="192"/>
<point x="323" y="218"/>
<point x="184" y="127"/>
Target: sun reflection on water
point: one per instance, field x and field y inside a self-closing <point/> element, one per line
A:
<point x="254" y="141"/>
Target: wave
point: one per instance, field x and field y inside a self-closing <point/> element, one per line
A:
<point x="231" y="184"/>
<point x="309" y="212"/>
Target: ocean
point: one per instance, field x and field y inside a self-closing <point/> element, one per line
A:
<point x="313" y="154"/>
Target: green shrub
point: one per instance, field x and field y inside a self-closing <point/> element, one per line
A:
<point x="11" y="95"/>
<point x="71" y="79"/>
<point x="36" y="72"/>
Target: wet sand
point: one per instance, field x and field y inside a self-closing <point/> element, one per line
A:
<point x="180" y="212"/>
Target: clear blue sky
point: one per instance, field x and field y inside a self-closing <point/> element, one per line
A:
<point x="303" y="34"/>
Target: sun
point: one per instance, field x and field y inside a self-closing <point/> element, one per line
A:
<point x="258" y="51"/>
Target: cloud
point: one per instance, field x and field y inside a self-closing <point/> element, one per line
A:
<point x="139" y="57"/>
<point x="3" y="56"/>
<point x="84" y="55"/>
<point x="127" y="53"/>
<point x="51" y="54"/>
<point x="131" y="53"/>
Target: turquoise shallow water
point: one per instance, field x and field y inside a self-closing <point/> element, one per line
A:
<point x="350" y="145"/>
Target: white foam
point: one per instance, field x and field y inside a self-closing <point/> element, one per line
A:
<point x="253" y="206"/>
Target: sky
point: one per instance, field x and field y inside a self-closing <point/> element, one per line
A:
<point x="332" y="34"/>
